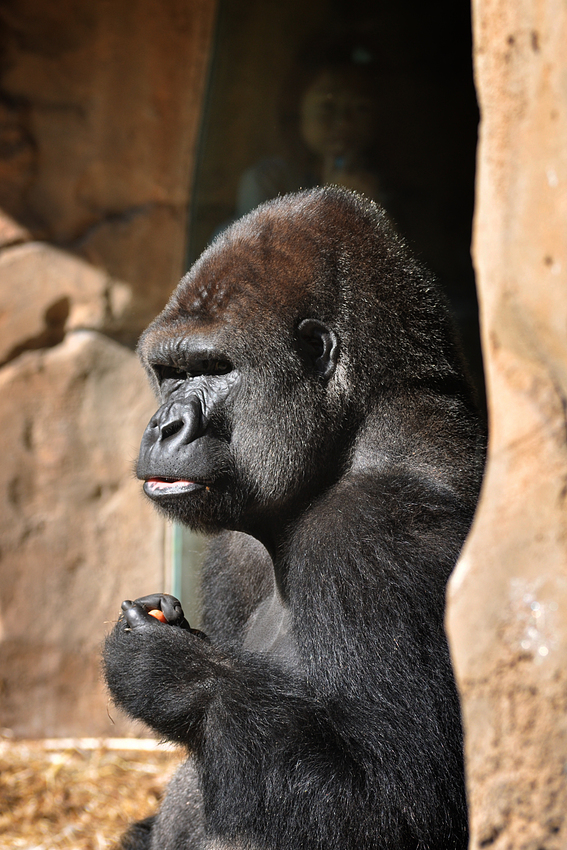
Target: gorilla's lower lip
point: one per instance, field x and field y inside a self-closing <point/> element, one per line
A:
<point x="157" y="487"/>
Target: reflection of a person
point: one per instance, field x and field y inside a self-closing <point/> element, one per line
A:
<point x="330" y="131"/>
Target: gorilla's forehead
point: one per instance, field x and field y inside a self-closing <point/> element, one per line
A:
<point x="251" y="277"/>
<point x="315" y="254"/>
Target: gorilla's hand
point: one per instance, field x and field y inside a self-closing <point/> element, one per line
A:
<point x="141" y="664"/>
<point x="137" y="614"/>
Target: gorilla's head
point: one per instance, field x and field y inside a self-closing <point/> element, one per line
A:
<point x="286" y="334"/>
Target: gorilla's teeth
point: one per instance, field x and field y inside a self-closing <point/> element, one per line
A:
<point x="159" y="486"/>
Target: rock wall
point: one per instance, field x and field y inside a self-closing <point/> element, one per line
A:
<point x="99" y="112"/>
<point x="76" y="535"/>
<point x="507" y="613"/>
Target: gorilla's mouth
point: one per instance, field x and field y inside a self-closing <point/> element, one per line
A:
<point x="156" y="487"/>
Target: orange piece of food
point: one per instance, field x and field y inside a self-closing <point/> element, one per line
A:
<point x="159" y="615"/>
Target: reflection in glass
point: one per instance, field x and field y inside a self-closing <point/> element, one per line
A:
<point x="328" y="125"/>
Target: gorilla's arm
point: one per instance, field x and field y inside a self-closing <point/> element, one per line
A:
<point x="264" y="733"/>
<point x="263" y="741"/>
<point x="176" y="680"/>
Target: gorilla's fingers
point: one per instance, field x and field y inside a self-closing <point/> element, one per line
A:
<point x="164" y="602"/>
<point x="136" y="615"/>
<point x="172" y="609"/>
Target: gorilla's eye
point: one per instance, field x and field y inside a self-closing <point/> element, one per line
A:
<point x="169" y="373"/>
<point x="222" y="367"/>
<point x="194" y="370"/>
<point x="209" y="367"/>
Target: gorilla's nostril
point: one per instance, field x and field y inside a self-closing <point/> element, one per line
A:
<point x="171" y="428"/>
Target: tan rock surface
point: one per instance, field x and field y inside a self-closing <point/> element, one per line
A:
<point x="99" y="116"/>
<point x="11" y="232"/>
<point x="100" y="159"/>
<point x="77" y="536"/>
<point x="46" y="292"/>
<point x="507" y="615"/>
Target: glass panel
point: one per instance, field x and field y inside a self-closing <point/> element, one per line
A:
<point x="377" y="96"/>
<point x="185" y="556"/>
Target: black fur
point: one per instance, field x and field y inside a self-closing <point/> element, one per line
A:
<point x="316" y="418"/>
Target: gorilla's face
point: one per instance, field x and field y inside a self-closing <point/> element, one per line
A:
<point x="238" y="435"/>
<point x="185" y="455"/>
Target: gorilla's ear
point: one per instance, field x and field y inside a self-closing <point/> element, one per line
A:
<point x="319" y="346"/>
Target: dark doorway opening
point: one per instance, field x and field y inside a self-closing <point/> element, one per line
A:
<point x="399" y="77"/>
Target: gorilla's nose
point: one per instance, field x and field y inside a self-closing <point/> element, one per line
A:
<point x="172" y="447"/>
<point x="169" y="429"/>
<point x="176" y="425"/>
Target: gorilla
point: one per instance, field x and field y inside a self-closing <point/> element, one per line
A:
<point x="316" y="421"/>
